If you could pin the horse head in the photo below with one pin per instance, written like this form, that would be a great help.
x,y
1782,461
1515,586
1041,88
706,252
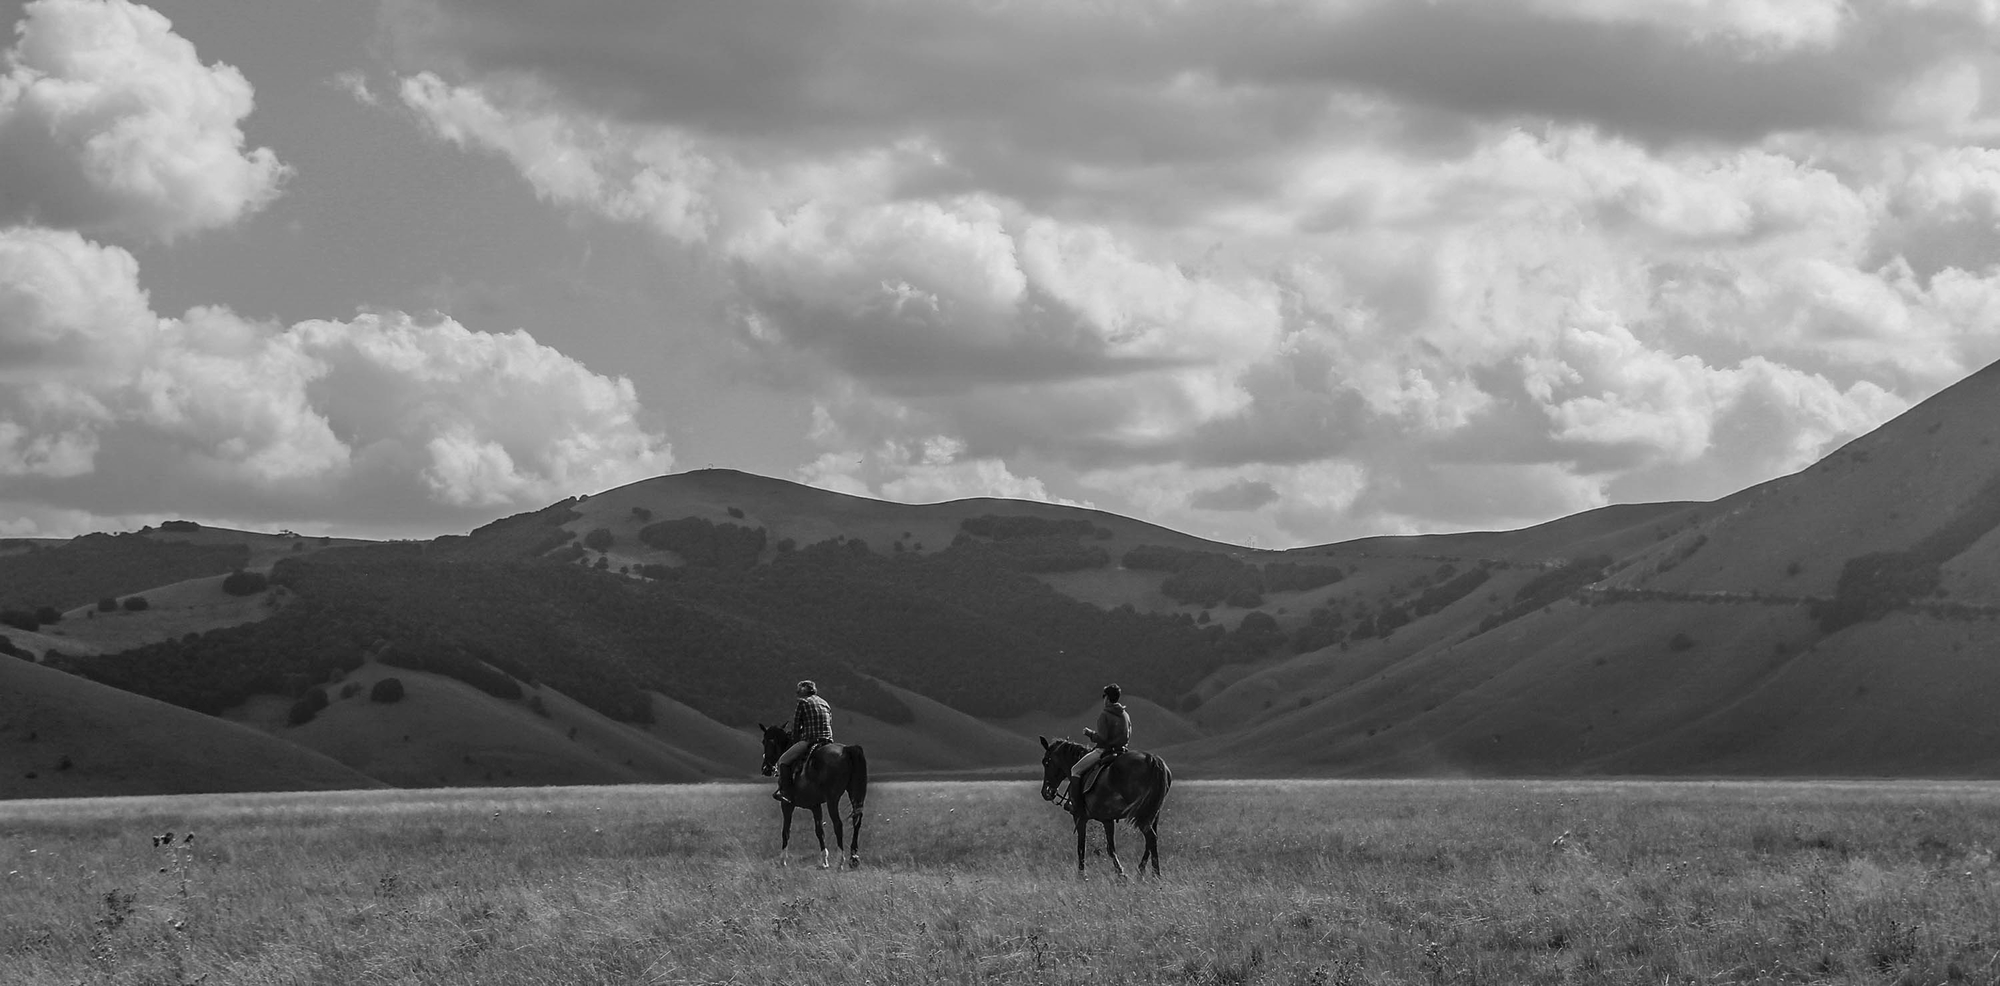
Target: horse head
x,y
777,739
1058,756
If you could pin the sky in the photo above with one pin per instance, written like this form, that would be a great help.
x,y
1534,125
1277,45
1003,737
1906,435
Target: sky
x,y
1270,272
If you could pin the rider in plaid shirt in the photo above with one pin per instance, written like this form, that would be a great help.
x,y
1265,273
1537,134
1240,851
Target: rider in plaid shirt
x,y
812,723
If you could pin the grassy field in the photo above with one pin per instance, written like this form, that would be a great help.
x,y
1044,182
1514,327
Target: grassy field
x,y
1266,882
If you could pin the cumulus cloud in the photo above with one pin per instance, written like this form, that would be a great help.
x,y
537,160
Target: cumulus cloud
x,y
1290,272
110,123
107,407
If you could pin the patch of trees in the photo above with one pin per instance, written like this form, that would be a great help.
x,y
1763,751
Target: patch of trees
x,y
1258,633
705,544
7,647
1322,628
1286,576
302,646
135,604
599,539
179,526
240,583
599,638
453,659
1210,579
1451,590
20,619
85,569
1037,554
523,535
1548,587
1000,527
386,690
1874,585
308,706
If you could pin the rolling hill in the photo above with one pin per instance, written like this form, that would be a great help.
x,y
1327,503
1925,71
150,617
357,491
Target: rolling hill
x,y
1841,620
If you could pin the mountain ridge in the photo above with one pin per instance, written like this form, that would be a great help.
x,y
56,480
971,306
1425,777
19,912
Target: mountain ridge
x,y
1810,624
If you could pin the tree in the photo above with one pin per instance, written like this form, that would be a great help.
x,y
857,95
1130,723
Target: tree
x,y
386,690
242,583
136,603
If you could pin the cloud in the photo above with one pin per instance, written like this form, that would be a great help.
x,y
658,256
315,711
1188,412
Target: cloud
x,y
110,123
109,408
1289,272
1243,494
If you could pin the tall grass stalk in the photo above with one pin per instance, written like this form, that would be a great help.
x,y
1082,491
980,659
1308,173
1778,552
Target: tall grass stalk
x,y
1266,882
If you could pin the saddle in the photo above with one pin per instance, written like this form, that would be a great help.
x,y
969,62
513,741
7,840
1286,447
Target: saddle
x,y
1089,778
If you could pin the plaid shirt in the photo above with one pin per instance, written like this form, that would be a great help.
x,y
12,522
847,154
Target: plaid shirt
x,y
813,720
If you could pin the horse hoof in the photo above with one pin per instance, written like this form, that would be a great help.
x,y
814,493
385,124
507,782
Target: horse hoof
x,y
853,862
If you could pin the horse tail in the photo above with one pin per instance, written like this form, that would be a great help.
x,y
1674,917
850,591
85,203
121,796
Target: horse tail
x,y
857,777
1158,780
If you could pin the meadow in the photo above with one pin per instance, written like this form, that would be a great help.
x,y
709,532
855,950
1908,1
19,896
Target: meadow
x,y
1316,882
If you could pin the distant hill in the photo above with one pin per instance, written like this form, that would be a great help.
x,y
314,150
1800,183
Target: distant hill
x,y
63,736
1841,620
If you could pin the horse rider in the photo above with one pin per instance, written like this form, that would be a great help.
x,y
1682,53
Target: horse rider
x,y
1114,730
812,724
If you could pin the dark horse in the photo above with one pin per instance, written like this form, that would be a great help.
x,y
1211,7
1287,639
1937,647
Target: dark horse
x,y
1131,786
827,773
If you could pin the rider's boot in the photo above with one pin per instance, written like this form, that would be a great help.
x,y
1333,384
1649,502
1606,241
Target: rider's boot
x,y
784,791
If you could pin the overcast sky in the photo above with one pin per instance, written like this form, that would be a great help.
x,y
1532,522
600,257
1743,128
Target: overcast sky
x,y
1275,273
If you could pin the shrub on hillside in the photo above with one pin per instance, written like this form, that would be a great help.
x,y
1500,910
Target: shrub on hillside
x,y
7,647
643,514
1258,633
136,603
599,539
308,706
20,620
48,614
243,583
387,690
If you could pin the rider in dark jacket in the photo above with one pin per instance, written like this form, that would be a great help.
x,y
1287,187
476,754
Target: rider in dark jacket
x,y
1113,732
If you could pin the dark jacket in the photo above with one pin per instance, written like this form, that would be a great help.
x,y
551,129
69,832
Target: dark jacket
x,y
1114,727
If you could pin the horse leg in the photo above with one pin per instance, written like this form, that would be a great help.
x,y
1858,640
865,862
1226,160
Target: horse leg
x,y
1111,846
1152,833
1082,837
785,838
854,836
833,815
819,829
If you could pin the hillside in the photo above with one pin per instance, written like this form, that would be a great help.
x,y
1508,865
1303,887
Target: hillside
x,y
1840,620
62,736
1836,621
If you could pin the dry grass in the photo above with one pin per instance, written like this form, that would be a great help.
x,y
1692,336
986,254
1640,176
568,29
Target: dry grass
x,y
1279,882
